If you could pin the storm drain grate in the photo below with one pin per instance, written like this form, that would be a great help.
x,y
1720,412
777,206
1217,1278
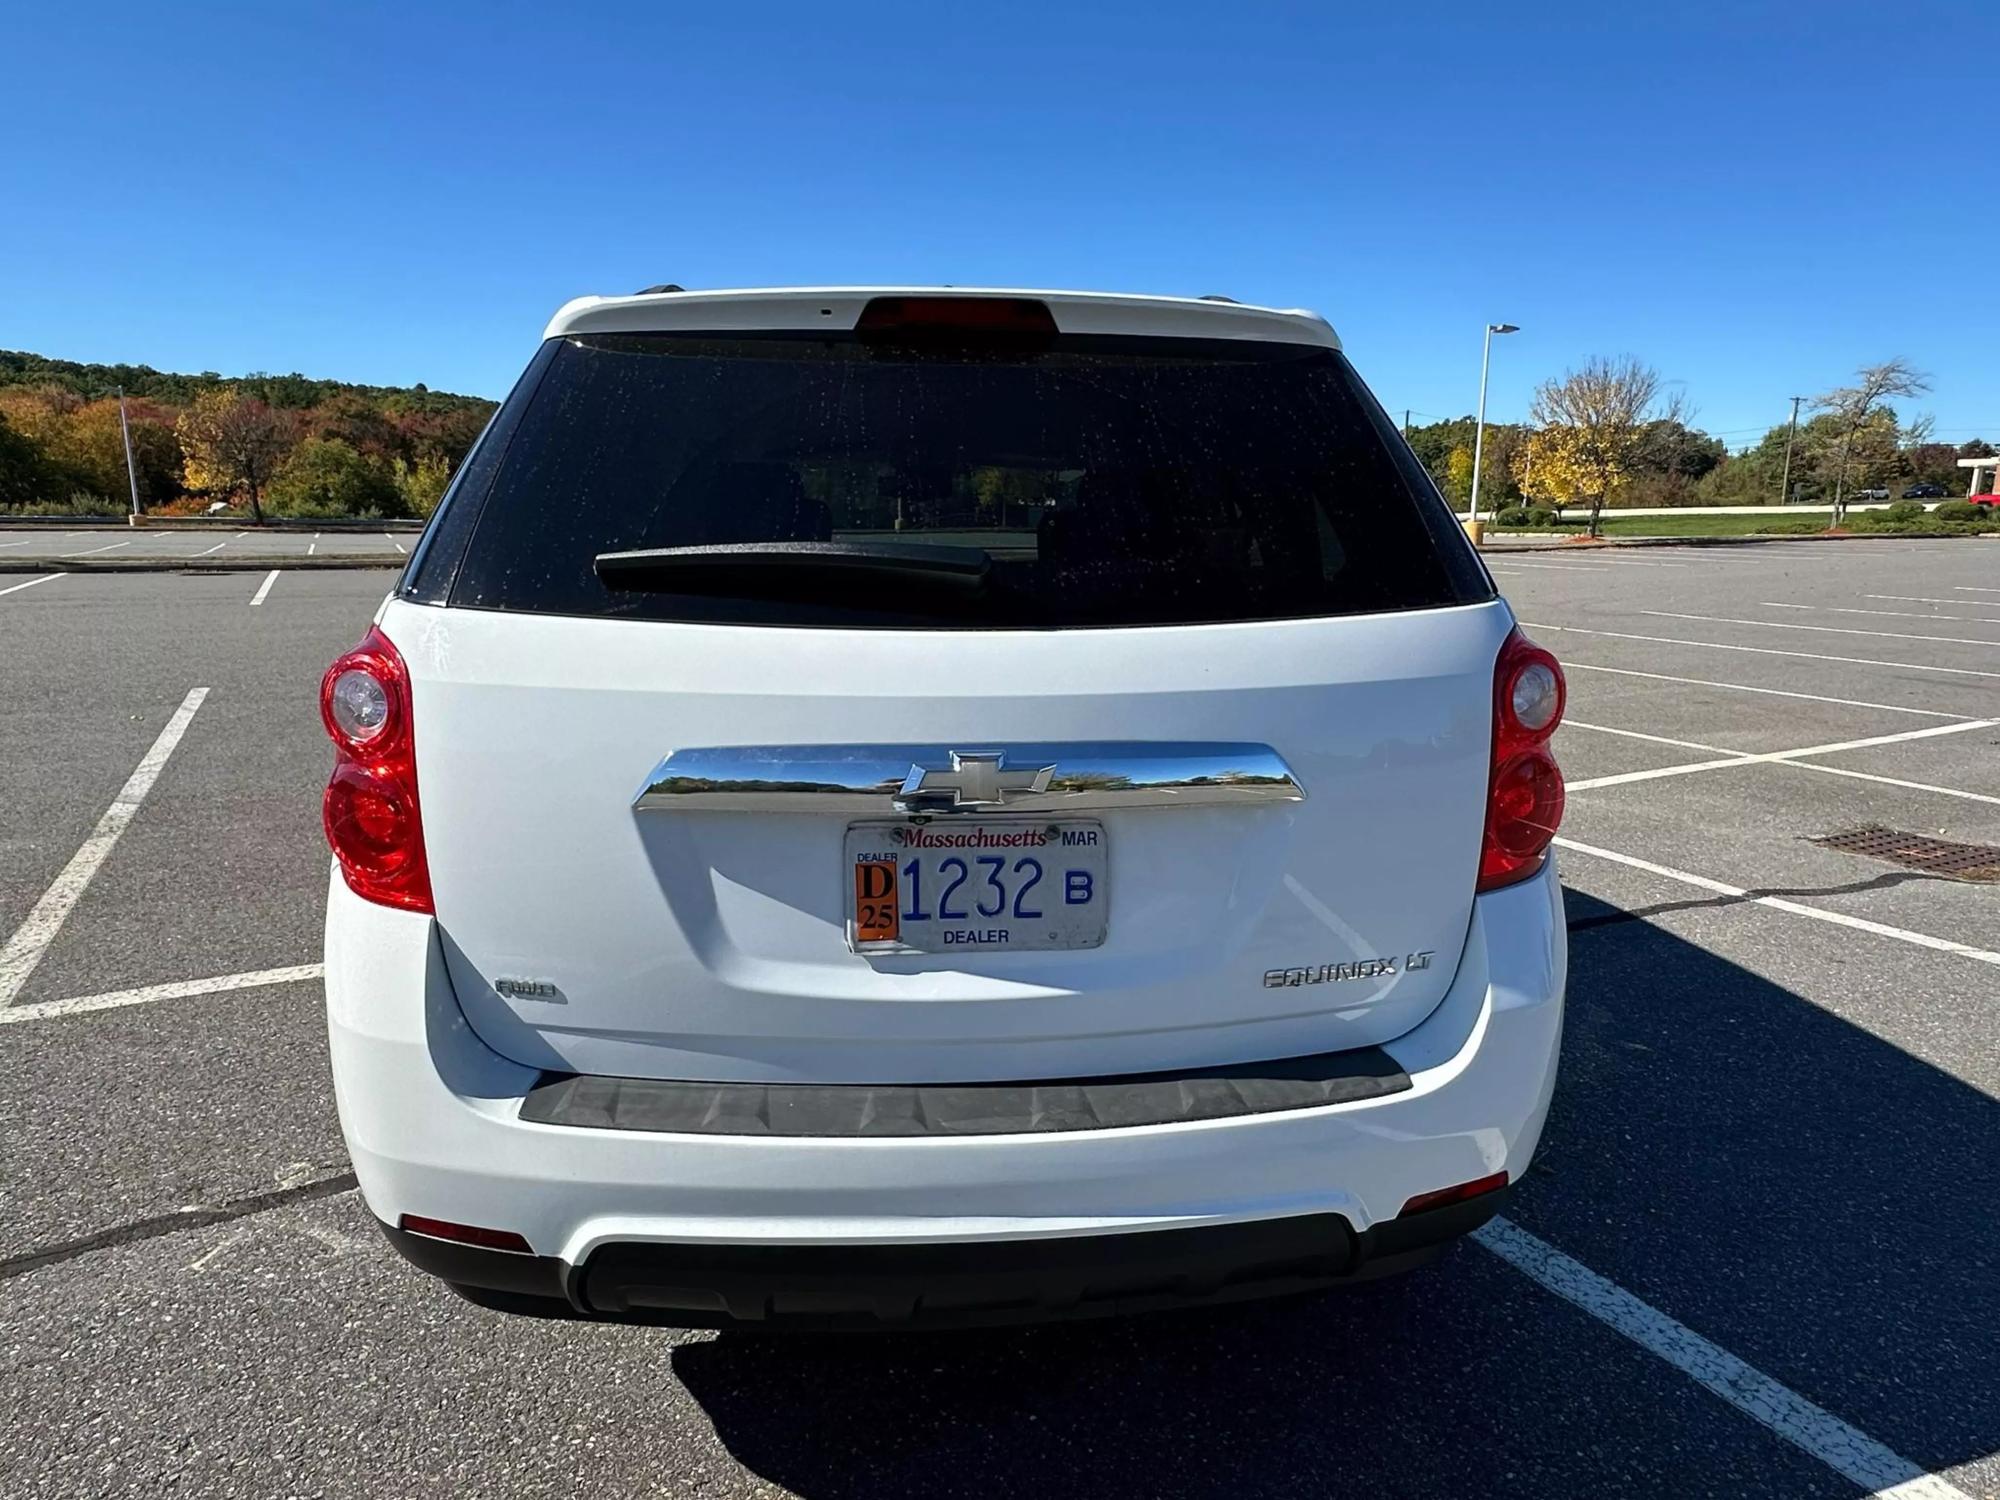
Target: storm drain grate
x,y
1917,852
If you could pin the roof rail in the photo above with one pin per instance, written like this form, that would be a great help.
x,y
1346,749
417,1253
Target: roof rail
x,y
665,286
1218,297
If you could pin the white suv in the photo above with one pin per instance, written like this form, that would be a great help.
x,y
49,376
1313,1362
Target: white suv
x,y
893,806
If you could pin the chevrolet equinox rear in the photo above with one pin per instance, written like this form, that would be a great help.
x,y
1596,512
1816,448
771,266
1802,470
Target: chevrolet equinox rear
x,y
874,807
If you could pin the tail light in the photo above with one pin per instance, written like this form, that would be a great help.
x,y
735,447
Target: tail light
x,y
1524,797
370,807
1464,1192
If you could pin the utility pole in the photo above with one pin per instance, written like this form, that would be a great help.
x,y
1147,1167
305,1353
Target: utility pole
x,y
131,473
1406,424
1785,484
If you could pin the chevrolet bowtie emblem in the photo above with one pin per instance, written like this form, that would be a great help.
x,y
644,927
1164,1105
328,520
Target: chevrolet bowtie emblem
x,y
977,779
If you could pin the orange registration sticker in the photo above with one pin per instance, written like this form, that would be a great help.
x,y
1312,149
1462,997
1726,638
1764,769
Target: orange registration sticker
x,y
878,900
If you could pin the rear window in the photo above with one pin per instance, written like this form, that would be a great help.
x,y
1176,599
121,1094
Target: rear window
x,y
1106,480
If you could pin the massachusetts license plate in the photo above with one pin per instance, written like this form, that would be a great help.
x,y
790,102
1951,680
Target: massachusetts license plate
x,y
951,886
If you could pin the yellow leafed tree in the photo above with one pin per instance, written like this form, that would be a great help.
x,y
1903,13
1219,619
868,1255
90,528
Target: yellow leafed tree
x,y
1590,426
1550,468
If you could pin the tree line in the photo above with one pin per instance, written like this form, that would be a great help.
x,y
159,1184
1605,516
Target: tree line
x,y
281,445
1612,433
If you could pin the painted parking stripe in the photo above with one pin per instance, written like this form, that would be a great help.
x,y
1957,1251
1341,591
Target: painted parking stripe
x,y
1971,588
1669,640
1920,599
394,543
1812,1429
1891,635
1891,614
47,1009
1779,757
31,939
1744,687
1778,903
93,551
1914,786
264,587
216,548
1552,567
17,544
15,588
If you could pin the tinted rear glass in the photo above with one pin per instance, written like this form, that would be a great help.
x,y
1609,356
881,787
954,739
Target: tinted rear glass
x,y
1111,481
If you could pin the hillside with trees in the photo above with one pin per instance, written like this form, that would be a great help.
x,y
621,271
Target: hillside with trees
x,y
279,445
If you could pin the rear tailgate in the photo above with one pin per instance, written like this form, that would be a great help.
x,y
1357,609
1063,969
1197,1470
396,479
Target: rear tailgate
x,y
714,944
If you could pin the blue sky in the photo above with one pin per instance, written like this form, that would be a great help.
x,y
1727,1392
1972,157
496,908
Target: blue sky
x,y
1754,198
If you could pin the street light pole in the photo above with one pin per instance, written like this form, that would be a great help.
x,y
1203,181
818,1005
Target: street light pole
x,y
131,473
1479,426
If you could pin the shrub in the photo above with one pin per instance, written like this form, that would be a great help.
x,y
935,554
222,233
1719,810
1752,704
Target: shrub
x,y
325,478
77,503
1904,510
1793,526
1513,515
1960,511
1543,515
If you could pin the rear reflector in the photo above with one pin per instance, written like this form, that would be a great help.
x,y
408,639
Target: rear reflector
x,y
465,1234
1004,317
1445,1197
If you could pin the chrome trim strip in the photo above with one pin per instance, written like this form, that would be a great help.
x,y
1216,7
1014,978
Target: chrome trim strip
x,y
887,780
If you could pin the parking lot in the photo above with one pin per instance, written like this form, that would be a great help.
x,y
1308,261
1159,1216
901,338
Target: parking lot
x,y
211,546
1755,1256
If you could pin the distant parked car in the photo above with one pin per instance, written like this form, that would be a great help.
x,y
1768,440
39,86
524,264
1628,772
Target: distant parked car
x,y
1861,497
1989,501
1924,492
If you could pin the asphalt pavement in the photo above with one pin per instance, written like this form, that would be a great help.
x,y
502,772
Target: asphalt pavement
x,y
1755,1255
148,547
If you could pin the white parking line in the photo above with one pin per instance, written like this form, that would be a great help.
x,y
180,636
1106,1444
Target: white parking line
x,y
1924,599
1778,757
1778,903
1668,640
1889,635
1553,567
1973,588
45,1009
22,543
31,939
1914,786
396,544
1896,614
264,588
1742,687
1812,1429
92,551
216,548
15,588
312,547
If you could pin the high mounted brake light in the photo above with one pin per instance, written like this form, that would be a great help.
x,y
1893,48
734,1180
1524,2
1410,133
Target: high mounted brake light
x,y
1524,793
947,317
370,809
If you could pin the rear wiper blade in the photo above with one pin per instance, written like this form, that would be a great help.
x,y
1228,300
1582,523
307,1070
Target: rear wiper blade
x,y
734,566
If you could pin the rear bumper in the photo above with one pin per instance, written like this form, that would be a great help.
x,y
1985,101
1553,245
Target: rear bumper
x,y
432,1119
945,1284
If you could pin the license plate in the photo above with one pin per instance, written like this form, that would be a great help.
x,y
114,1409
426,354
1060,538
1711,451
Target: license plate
x,y
963,887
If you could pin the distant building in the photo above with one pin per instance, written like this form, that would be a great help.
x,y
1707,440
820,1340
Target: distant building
x,y
1984,471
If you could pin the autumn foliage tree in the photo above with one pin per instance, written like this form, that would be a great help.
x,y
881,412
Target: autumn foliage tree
x,y
234,442
1591,428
